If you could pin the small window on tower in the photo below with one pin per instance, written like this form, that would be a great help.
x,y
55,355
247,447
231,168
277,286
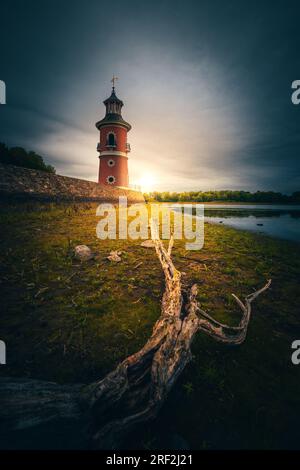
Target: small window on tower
x,y
111,179
111,140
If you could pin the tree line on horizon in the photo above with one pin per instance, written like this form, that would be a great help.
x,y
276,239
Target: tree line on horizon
x,y
18,156
223,196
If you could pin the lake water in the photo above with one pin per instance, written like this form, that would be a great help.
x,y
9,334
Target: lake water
x,y
280,221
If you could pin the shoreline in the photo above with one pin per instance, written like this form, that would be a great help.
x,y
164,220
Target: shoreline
x,y
223,203
253,232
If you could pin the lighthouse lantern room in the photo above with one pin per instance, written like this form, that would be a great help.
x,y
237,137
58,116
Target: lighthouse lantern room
x,y
113,147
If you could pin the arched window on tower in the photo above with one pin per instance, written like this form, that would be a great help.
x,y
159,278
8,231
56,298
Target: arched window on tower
x,y
111,140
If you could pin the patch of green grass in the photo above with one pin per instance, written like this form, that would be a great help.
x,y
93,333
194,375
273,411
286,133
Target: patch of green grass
x,y
68,321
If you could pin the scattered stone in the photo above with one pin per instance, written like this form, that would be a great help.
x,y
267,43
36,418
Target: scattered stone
x,y
83,252
148,244
115,256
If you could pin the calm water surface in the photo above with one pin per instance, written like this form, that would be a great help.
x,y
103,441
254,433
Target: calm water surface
x,y
280,221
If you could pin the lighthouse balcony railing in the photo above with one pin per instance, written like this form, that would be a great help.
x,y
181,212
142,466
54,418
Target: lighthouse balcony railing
x,y
128,149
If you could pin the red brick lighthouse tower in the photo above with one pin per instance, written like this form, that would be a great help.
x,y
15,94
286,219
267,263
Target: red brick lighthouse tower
x,y
113,147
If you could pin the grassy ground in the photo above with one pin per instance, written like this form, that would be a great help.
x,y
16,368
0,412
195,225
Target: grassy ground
x,y
67,321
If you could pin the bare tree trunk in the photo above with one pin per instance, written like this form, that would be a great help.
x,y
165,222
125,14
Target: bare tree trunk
x,y
134,392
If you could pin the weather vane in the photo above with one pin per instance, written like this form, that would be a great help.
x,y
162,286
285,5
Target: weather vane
x,y
113,80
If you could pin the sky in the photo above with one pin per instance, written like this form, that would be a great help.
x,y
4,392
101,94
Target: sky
x,y
206,87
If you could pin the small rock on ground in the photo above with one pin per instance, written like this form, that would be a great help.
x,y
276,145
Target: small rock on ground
x,y
83,252
148,244
115,256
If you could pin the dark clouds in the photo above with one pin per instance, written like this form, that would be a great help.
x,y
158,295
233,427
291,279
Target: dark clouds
x,y
206,86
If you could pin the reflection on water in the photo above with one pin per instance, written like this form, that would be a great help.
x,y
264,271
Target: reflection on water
x,y
279,221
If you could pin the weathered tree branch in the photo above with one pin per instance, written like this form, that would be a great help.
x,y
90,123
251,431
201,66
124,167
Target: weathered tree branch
x,y
134,392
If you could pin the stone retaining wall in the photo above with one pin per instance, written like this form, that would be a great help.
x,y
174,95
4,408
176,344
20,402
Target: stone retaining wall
x,y
23,183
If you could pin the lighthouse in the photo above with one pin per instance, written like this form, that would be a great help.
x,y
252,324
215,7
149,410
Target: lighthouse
x,y
113,147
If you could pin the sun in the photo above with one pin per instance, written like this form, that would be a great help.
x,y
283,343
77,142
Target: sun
x,y
147,182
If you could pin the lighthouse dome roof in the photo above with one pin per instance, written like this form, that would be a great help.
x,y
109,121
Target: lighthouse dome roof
x,y
113,118
113,99
113,112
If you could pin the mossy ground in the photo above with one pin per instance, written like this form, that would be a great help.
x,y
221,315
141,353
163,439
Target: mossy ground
x,y
67,321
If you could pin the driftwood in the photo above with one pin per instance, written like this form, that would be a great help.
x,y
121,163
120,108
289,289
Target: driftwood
x,y
106,410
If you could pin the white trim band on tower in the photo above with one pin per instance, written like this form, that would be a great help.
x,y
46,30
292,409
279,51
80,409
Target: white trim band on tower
x,y
113,153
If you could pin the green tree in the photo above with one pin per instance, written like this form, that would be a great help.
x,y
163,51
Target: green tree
x,y
224,196
18,156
